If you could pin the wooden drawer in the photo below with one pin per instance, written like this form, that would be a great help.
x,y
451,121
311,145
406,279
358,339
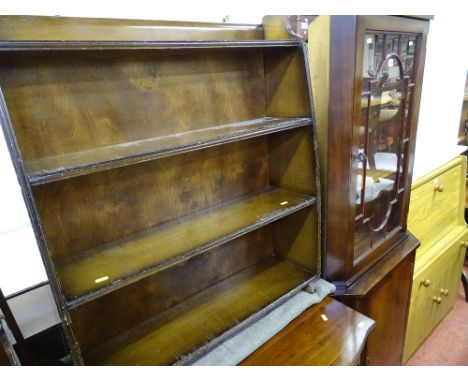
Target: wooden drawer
x,y
433,293
436,204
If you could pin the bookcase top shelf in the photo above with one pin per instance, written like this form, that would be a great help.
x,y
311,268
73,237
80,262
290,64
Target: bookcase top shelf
x,y
101,270
48,169
32,45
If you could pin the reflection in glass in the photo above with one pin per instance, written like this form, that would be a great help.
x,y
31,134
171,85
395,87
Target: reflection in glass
x,y
382,136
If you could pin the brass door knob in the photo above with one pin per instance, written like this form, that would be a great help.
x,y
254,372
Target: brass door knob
x,y
437,299
439,187
444,292
464,244
426,282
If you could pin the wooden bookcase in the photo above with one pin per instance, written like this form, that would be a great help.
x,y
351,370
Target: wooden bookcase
x,y
171,183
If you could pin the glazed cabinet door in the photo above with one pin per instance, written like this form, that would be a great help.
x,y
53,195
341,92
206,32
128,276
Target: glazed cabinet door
x,y
382,136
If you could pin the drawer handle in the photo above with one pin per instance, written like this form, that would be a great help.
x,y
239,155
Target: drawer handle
x,y
439,187
426,282
437,299
464,244
444,292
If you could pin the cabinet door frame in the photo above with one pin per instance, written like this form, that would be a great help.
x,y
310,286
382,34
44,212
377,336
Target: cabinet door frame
x,y
346,35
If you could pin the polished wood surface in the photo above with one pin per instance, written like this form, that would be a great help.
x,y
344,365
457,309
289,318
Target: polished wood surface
x,y
165,338
339,218
388,305
326,334
436,216
74,28
171,180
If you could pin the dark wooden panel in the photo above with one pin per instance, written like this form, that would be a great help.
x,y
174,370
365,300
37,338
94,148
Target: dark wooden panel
x,y
309,340
87,211
66,102
286,84
296,239
77,28
291,161
188,325
340,225
154,294
388,305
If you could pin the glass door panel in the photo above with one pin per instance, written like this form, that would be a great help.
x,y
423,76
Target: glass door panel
x,y
382,137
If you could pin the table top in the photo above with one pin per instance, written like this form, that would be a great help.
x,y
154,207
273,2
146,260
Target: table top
x,y
326,334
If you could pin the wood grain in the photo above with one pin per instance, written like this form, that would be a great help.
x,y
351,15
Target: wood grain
x,y
60,167
433,214
153,294
438,220
207,315
109,98
83,212
74,28
170,243
388,305
138,142
309,340
286,92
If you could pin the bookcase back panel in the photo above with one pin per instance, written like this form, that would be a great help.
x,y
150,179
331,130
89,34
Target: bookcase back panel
x,y
67,102
83,212
79,28
295,239
152,295
291,161
286,93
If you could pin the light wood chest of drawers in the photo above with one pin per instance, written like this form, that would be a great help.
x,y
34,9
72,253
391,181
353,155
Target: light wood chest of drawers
x,y
436,218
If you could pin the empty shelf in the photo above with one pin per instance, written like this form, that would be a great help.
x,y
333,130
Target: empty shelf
x,y
167,337
64,166
102,269
127,44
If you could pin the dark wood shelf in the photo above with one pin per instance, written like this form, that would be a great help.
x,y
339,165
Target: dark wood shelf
x,y
49,169
123,45
100,270
219,310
